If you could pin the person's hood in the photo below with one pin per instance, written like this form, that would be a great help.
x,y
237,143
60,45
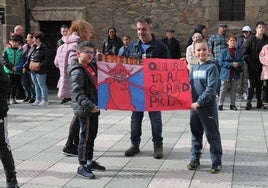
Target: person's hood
x,y
74,37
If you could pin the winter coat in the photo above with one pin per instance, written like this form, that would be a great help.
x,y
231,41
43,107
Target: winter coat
x,y
65,54
264,61
27,50
111,46
42,55
12,57
226,63
4,90
174,47
157,49
251,56
84,91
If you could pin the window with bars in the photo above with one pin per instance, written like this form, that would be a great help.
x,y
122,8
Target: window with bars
x,y
232,10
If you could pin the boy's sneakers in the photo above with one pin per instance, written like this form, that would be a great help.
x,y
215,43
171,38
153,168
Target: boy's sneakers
x,y
43,103
193,165
95,166
12,184
85,173
36,103
216,168
70,151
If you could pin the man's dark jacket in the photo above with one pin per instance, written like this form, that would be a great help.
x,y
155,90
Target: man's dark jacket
x,y
251,53
157,49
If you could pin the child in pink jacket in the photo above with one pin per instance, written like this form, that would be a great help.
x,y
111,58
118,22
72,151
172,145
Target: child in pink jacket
x,y
264,60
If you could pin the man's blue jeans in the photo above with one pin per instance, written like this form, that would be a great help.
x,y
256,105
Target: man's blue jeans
x,y
28,85
156,126
40,86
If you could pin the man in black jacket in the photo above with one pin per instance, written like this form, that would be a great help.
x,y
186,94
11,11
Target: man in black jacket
x,y
173,44
147,46
5,149
251,52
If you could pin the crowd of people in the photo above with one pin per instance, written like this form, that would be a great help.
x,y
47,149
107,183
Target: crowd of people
x,y
220,64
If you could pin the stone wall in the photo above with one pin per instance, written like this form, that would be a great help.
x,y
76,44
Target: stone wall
x,y
180,15
14,15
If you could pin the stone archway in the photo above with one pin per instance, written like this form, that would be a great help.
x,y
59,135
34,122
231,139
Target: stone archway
x,y
55,14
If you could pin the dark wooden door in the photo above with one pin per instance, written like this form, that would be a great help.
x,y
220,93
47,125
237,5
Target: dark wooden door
x,y
51,30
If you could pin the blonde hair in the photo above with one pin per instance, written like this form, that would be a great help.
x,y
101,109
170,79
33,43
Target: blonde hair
x,y
82,27
198,41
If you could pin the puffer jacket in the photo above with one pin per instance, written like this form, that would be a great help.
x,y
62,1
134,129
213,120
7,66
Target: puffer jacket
x,y
42,55
264,61
65,54
84,91
12,57
4,89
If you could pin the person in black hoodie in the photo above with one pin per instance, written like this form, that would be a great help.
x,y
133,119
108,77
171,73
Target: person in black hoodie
x,y
5,149
251,53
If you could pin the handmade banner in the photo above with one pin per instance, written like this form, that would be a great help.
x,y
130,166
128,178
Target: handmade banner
x,y
154,84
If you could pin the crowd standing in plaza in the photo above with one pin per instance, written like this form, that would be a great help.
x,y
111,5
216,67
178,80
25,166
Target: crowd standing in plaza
x,y
239,64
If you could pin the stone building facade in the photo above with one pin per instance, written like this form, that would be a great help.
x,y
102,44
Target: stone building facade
x,y
180,15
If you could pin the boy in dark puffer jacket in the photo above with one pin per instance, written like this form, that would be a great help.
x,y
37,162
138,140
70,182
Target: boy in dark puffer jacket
x,y
83,77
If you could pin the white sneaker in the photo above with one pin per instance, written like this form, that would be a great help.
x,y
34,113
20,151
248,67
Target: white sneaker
x,y
245,96
43,103
36,103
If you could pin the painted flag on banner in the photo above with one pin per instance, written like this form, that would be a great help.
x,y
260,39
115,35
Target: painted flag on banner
x,y
157,84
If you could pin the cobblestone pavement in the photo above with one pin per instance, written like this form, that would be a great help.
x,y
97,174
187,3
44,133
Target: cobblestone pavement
x,y
38,134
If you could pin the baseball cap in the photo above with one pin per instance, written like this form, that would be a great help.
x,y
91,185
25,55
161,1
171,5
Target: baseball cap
x,y
246,28
221,25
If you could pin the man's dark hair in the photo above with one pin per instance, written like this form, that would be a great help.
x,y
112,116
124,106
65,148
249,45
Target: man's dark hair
x,y
260,23
39,35
64,26
144,19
